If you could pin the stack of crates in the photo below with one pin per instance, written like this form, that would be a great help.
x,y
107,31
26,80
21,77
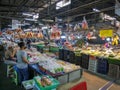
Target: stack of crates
x,y
85,61
102,66
61,54
72,57
113,71
92,64
78,60
66,55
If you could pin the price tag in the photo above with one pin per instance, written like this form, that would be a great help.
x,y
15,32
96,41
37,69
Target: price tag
x,y
106,33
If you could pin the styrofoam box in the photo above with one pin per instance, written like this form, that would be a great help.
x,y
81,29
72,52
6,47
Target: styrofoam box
x,y
63,79
75,75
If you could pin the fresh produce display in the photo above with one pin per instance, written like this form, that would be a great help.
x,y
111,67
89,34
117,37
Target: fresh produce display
x,y
28,84
68,66
51,66
46,82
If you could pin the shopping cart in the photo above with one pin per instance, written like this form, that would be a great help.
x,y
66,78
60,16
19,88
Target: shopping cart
x,y
80,86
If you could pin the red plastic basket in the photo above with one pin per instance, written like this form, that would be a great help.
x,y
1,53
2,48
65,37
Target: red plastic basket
x,y
80,86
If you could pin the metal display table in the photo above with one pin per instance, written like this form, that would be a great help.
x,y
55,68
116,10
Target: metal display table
x,y
61,77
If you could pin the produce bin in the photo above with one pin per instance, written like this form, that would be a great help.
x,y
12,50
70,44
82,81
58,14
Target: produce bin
x,y
40,47
53,49
66,55
113,61
29,84
76,74
85,61
72,57
54,84
61,54
102,66
92,64
63,79
78,60
114,71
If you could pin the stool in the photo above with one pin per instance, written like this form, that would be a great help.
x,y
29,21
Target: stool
x,y
16,76
10,65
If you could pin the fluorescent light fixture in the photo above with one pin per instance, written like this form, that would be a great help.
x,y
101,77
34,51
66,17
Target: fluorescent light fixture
x,y
47,20
63,37
62,3
108,39
28,19
96,10
35,16
27,14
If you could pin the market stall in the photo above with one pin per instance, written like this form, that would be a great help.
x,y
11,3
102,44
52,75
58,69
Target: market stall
x,y
61,70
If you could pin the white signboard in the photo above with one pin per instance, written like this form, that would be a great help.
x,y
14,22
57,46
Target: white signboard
x,y
63,3
15,24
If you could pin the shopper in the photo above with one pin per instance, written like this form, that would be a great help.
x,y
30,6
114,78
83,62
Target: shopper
x,y
2,50
22,62
10,54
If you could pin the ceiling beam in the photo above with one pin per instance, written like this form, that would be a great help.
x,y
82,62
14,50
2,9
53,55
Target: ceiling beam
x,y
6,5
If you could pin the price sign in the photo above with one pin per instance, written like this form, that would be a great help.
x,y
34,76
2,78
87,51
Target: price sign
x,y
106,33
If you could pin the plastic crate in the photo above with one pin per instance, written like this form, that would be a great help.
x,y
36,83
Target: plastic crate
x,y
80,86
78,60
66,55
113,61
29,84
54,84
72,57
102,66
113,71
61,54
92,66
53,49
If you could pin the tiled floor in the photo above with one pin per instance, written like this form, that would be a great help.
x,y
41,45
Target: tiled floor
x,y
94,82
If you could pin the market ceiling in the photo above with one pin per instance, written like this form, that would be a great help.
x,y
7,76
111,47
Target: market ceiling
x,y
10,9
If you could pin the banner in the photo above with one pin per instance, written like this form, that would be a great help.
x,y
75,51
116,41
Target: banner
x,y
84,23
106,33
15,24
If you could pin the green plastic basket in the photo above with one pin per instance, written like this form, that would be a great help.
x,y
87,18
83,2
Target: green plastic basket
x,y
54,84
54,49
77,53
41,46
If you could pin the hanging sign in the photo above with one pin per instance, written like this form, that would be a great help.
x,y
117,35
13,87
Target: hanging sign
x,y
106,33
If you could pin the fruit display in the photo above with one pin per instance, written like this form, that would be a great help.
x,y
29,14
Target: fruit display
x,y
46,82
68,66
51,66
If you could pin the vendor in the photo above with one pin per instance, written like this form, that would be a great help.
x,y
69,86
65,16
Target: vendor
x,y
10,54
22,63
28,43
